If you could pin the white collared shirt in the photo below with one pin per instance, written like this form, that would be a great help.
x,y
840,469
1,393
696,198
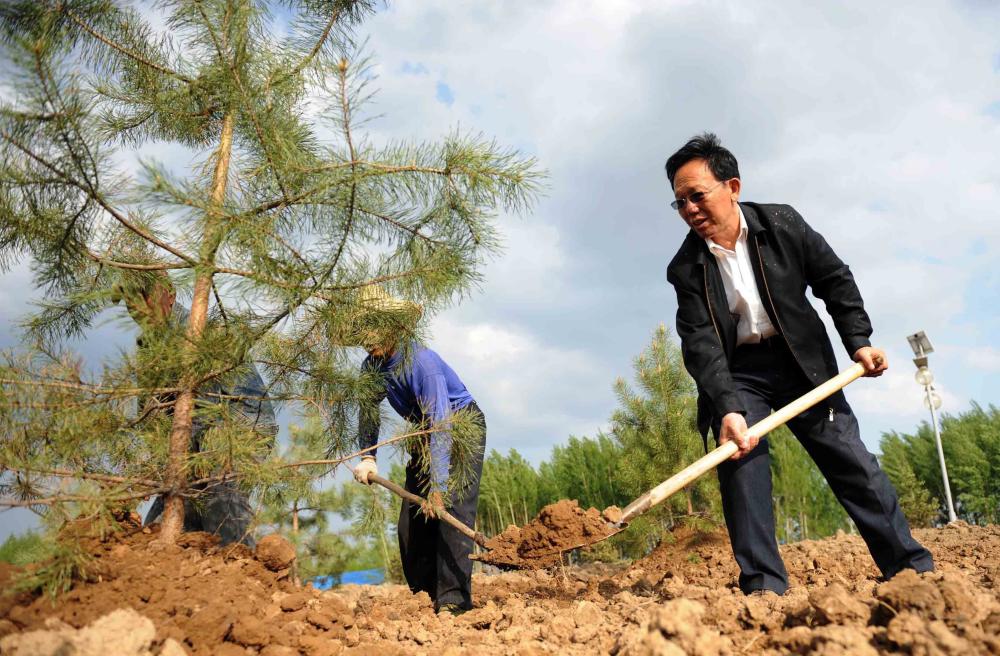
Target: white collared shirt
x,y
741,289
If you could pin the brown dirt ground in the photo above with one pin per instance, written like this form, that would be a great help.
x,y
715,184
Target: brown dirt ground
x,y
681,599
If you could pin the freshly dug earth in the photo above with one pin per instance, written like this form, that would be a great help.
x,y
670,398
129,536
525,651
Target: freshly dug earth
x,y
682,599
559,527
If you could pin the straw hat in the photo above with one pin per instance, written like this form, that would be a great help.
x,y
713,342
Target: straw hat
x,y
379,317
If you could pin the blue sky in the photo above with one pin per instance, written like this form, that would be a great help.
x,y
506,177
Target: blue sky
x,y
877,121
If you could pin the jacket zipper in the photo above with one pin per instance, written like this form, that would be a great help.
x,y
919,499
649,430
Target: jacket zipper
x,y
708,301
767,289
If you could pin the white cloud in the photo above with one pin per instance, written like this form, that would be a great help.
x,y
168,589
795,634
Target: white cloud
x,y
534,394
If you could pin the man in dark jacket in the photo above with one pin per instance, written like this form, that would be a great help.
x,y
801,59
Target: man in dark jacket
x,y
753,343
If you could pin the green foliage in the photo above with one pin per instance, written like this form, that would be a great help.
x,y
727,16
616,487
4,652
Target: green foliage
x,y
971,444
296,507
21,550
288,214
920,508
510,492
804,505
585,469
655,426
59,563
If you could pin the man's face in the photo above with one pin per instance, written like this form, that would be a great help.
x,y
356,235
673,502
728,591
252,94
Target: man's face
x,y
716,213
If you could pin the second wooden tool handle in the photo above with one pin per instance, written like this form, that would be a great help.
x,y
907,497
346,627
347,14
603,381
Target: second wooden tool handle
x,y
719,455
442,514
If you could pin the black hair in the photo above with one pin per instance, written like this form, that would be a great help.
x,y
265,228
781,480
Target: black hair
x,y
705,146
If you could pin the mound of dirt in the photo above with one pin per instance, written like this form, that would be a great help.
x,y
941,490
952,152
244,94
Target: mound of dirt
x,y
682,599
558,527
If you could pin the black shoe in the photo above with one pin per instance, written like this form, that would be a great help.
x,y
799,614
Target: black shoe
x,y
763,592
452,609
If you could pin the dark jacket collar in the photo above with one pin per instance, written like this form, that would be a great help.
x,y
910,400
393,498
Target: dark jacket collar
x,y
754,224
754,227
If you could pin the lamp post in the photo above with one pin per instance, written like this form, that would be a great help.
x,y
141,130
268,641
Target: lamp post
x,y
921,347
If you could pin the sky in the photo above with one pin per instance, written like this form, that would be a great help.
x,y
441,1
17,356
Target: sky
x,y
878,122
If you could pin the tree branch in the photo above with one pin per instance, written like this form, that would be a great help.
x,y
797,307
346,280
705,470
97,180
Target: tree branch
x,y
125,51
96,197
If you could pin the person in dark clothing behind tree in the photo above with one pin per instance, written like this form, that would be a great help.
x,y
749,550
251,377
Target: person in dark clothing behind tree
x,y
752,342
221,509
423,389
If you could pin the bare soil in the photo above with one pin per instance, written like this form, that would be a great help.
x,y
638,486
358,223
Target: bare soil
x,y
682,599
558,527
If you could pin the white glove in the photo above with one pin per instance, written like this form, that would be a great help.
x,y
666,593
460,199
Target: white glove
x,y
364,468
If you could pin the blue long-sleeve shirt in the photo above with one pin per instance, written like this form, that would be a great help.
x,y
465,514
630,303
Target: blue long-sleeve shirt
x,y
424,389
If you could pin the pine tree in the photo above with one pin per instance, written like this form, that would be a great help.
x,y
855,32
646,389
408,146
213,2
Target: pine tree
x,y
655,426
289,214
920,508
297,507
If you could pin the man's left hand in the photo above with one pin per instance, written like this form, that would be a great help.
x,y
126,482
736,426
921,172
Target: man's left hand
x,y
434,503
873,359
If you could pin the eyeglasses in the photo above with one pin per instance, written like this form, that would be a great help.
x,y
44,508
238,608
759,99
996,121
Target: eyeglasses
x,y
695,198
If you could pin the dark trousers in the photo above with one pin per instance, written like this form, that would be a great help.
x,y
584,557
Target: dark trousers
x,y
436,556
221,510
767,377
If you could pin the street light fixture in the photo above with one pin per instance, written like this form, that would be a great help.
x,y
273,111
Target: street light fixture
x,y
921,347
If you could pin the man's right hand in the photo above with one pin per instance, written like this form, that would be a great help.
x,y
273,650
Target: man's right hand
x,y
734,429
364,468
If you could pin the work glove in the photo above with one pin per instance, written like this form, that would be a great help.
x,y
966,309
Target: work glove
x,y
433,504
364,468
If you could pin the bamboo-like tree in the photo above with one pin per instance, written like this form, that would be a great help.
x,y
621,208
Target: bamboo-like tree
x,y
971,443
287,215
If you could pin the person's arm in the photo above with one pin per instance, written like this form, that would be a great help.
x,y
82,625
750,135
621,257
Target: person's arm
x,y
833,283
254,403
369,417
432,395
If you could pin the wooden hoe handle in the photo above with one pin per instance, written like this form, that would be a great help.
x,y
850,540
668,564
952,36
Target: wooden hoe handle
x,y
442,514
719,455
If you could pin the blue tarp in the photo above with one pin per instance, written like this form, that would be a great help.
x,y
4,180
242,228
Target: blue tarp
x,y
359,577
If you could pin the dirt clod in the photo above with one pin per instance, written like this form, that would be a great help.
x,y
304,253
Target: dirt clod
x,y
558,527
275,552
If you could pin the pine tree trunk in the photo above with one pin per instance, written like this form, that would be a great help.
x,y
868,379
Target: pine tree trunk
x,y
180,432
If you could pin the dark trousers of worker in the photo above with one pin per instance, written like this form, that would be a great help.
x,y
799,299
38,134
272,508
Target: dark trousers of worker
x,y
435,555
767,377
222,509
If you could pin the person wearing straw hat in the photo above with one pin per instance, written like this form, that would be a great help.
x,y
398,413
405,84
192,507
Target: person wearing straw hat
x,y
222,509
753,342
423,389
